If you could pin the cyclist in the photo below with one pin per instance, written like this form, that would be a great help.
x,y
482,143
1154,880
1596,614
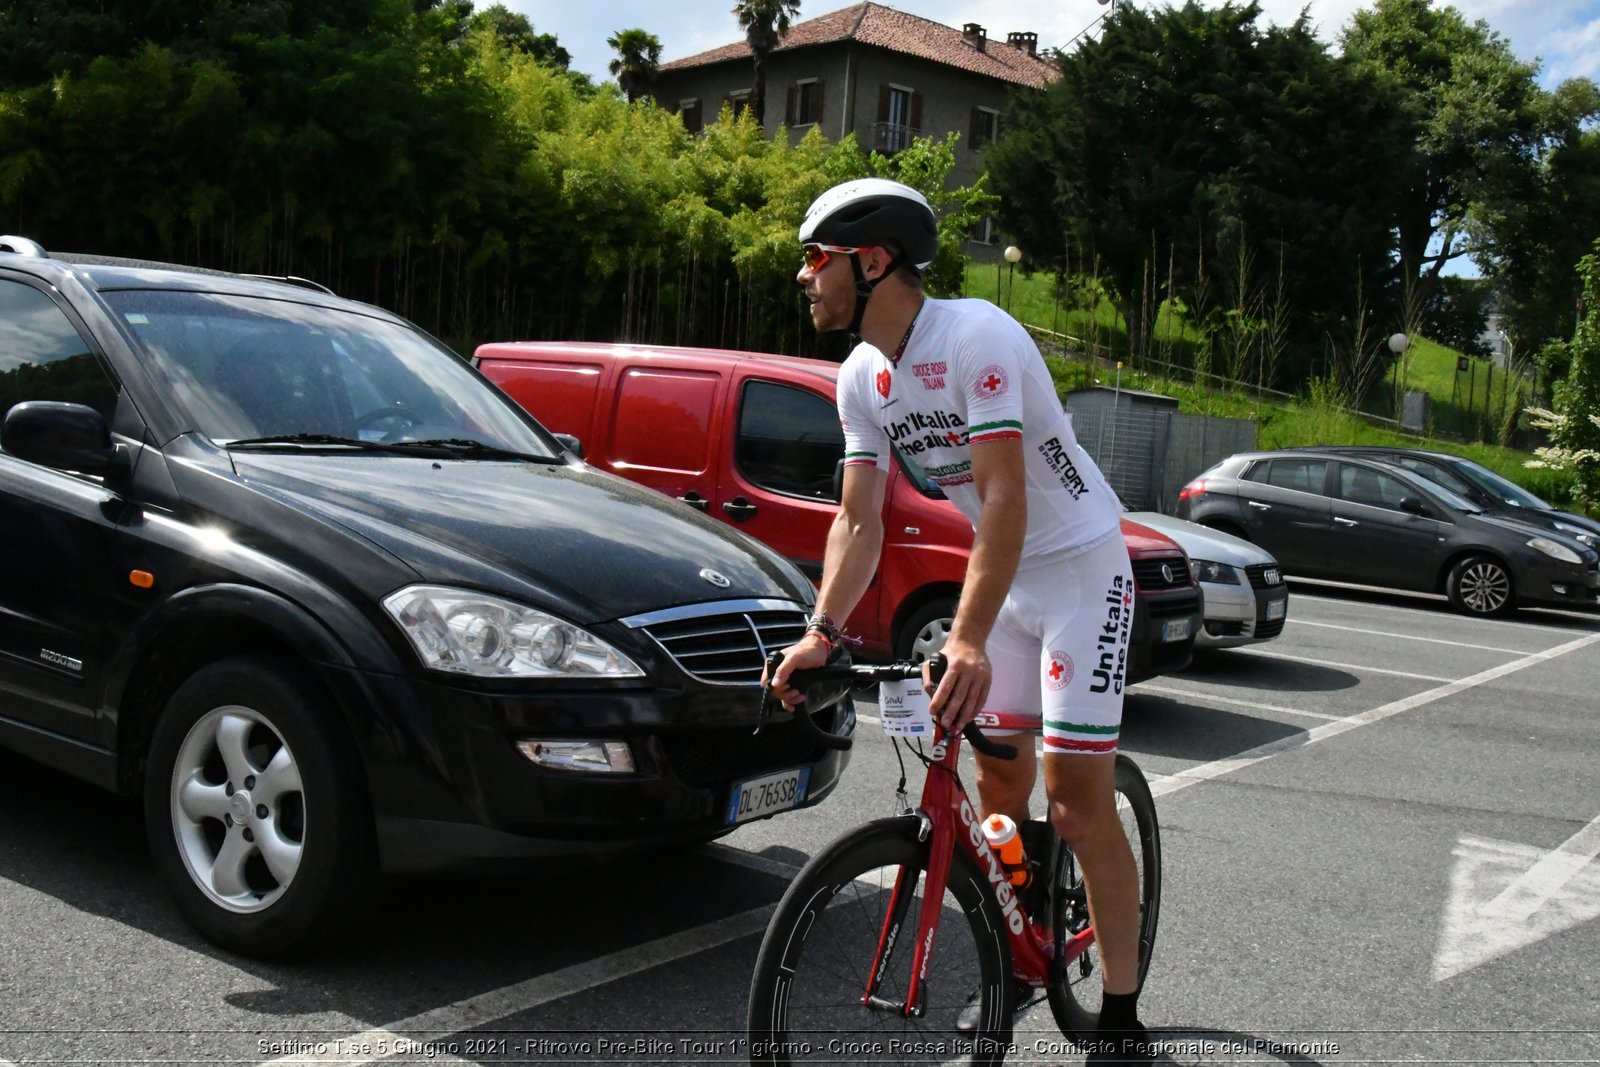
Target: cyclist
x,y
1042,624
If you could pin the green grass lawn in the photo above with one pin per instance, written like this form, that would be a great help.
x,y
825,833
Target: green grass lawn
x,y
1455,425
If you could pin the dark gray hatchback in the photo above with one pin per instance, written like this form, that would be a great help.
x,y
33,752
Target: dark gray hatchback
x,y
334,605
1352,519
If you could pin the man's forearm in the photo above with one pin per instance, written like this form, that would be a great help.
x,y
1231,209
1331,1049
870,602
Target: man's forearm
x,y
848,566
996,550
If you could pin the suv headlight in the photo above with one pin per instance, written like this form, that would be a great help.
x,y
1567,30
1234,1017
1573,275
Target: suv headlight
x,y
463,632
1206,570
1554,550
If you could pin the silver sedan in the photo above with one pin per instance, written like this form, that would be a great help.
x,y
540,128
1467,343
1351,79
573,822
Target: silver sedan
x,y
1246,599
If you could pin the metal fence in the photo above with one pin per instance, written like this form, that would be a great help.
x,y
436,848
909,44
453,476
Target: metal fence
x,y
1146,447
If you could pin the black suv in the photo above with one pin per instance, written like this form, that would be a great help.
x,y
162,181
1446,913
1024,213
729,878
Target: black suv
x,y
335,606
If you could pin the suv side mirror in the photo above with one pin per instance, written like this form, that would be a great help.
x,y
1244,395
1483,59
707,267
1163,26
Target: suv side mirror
x,y
68,437
570,443
1412,505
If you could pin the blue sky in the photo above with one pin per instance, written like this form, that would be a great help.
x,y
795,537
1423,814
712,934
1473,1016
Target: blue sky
x,y
1564,34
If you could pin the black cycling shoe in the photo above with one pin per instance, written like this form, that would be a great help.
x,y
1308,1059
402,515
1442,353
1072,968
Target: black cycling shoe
x,y
1130,1046
967,1018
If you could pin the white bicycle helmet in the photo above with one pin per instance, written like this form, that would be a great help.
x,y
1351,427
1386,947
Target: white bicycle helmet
x,y
867,213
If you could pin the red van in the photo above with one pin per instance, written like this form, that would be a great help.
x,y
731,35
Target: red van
x,y
754,440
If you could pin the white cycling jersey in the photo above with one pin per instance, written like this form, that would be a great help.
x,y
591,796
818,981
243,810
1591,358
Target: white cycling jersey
x,y
970,373
967,373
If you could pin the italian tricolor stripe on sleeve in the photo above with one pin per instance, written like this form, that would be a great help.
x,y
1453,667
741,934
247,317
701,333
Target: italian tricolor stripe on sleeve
x,y
995,431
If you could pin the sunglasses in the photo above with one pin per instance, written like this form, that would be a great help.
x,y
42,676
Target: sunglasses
x,y
817,256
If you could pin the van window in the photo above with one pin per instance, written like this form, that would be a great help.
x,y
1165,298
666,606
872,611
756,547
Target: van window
x,y
789,440
663,419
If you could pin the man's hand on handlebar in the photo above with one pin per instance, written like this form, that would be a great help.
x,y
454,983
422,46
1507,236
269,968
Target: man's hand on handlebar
x,y
809,651
965,687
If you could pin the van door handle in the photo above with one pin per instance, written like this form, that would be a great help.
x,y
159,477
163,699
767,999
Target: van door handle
x,y
695,500
740,508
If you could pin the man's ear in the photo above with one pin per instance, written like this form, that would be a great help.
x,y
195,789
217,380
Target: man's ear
x,y
877,260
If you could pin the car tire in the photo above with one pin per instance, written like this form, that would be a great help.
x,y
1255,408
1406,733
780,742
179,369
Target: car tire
x,y
1480,585
284,858
926,631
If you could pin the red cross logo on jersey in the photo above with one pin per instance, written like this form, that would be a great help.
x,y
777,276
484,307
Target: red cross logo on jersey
x,y
991,382
883,383
953,437
1059,673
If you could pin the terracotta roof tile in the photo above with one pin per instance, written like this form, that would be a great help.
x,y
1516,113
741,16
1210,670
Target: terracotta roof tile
x,y
896,31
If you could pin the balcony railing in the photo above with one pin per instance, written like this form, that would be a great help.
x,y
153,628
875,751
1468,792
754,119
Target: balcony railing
x,y
893,136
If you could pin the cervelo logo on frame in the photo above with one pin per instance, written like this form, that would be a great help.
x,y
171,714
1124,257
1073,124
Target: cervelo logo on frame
x,y
991,382
999,877
1059,674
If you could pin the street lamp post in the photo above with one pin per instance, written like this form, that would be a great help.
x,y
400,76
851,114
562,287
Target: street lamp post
x,y
1398,343
1013,256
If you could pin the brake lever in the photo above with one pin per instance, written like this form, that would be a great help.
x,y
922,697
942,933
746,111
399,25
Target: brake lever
x,y
765,713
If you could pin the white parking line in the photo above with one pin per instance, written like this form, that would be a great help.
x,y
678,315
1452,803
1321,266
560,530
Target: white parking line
x,y
1190,694
1363,667
1407,637
1206,772
409,1037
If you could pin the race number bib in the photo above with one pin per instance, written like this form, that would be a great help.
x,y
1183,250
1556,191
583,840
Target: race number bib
x,y
903,708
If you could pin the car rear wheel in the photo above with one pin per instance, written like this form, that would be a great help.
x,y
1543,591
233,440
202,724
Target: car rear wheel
x,y
926,631
1480,585
257,811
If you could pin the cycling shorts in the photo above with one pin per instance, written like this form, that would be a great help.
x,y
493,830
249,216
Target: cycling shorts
x,y
1059,651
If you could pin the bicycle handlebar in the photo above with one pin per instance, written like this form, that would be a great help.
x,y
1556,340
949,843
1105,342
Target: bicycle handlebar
x,y
845,676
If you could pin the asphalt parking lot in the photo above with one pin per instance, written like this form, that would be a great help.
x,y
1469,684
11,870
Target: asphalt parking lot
x,y
1380,834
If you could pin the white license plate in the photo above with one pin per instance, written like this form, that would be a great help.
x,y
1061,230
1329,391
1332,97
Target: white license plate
x,y
1174,630
768,794
1271,576
1275,609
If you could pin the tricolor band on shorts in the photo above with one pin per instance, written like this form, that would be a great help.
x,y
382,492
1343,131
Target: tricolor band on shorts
x,y
1059,651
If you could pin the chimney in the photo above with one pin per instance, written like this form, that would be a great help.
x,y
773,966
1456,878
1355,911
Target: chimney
x,y
1028,42
974,35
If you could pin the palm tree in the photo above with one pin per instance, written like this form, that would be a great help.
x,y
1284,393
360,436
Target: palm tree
x,y
638,57
764,22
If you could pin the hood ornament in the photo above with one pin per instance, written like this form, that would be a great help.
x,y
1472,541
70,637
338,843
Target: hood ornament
x,y
718,580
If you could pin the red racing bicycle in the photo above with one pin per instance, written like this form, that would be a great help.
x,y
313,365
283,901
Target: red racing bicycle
x,y
886,933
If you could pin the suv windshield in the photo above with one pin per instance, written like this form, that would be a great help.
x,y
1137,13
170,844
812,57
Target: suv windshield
x,y
248,368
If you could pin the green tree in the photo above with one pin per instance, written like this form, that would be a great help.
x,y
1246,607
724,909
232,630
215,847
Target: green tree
x,y
638,59
764,23
1183,135
1481,124
1456,313
514,31
1574,420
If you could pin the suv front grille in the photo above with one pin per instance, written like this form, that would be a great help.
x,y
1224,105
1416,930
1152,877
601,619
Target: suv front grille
x,y
724,643
1147,573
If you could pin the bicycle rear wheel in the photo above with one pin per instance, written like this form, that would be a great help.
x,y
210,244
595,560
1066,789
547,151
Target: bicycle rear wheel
x,y
1075,999
807,997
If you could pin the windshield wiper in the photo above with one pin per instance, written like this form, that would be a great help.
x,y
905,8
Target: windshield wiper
x,y
466,446
315,440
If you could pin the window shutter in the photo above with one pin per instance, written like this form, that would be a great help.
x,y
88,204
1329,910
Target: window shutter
x,y
975,130
788,111
816,103
883,102
916,113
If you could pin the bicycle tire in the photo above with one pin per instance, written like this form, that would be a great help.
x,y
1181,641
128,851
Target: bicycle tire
x,y
811,973
1075,997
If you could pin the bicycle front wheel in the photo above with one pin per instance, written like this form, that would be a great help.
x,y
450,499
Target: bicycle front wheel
x,y
1075,999
809,997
